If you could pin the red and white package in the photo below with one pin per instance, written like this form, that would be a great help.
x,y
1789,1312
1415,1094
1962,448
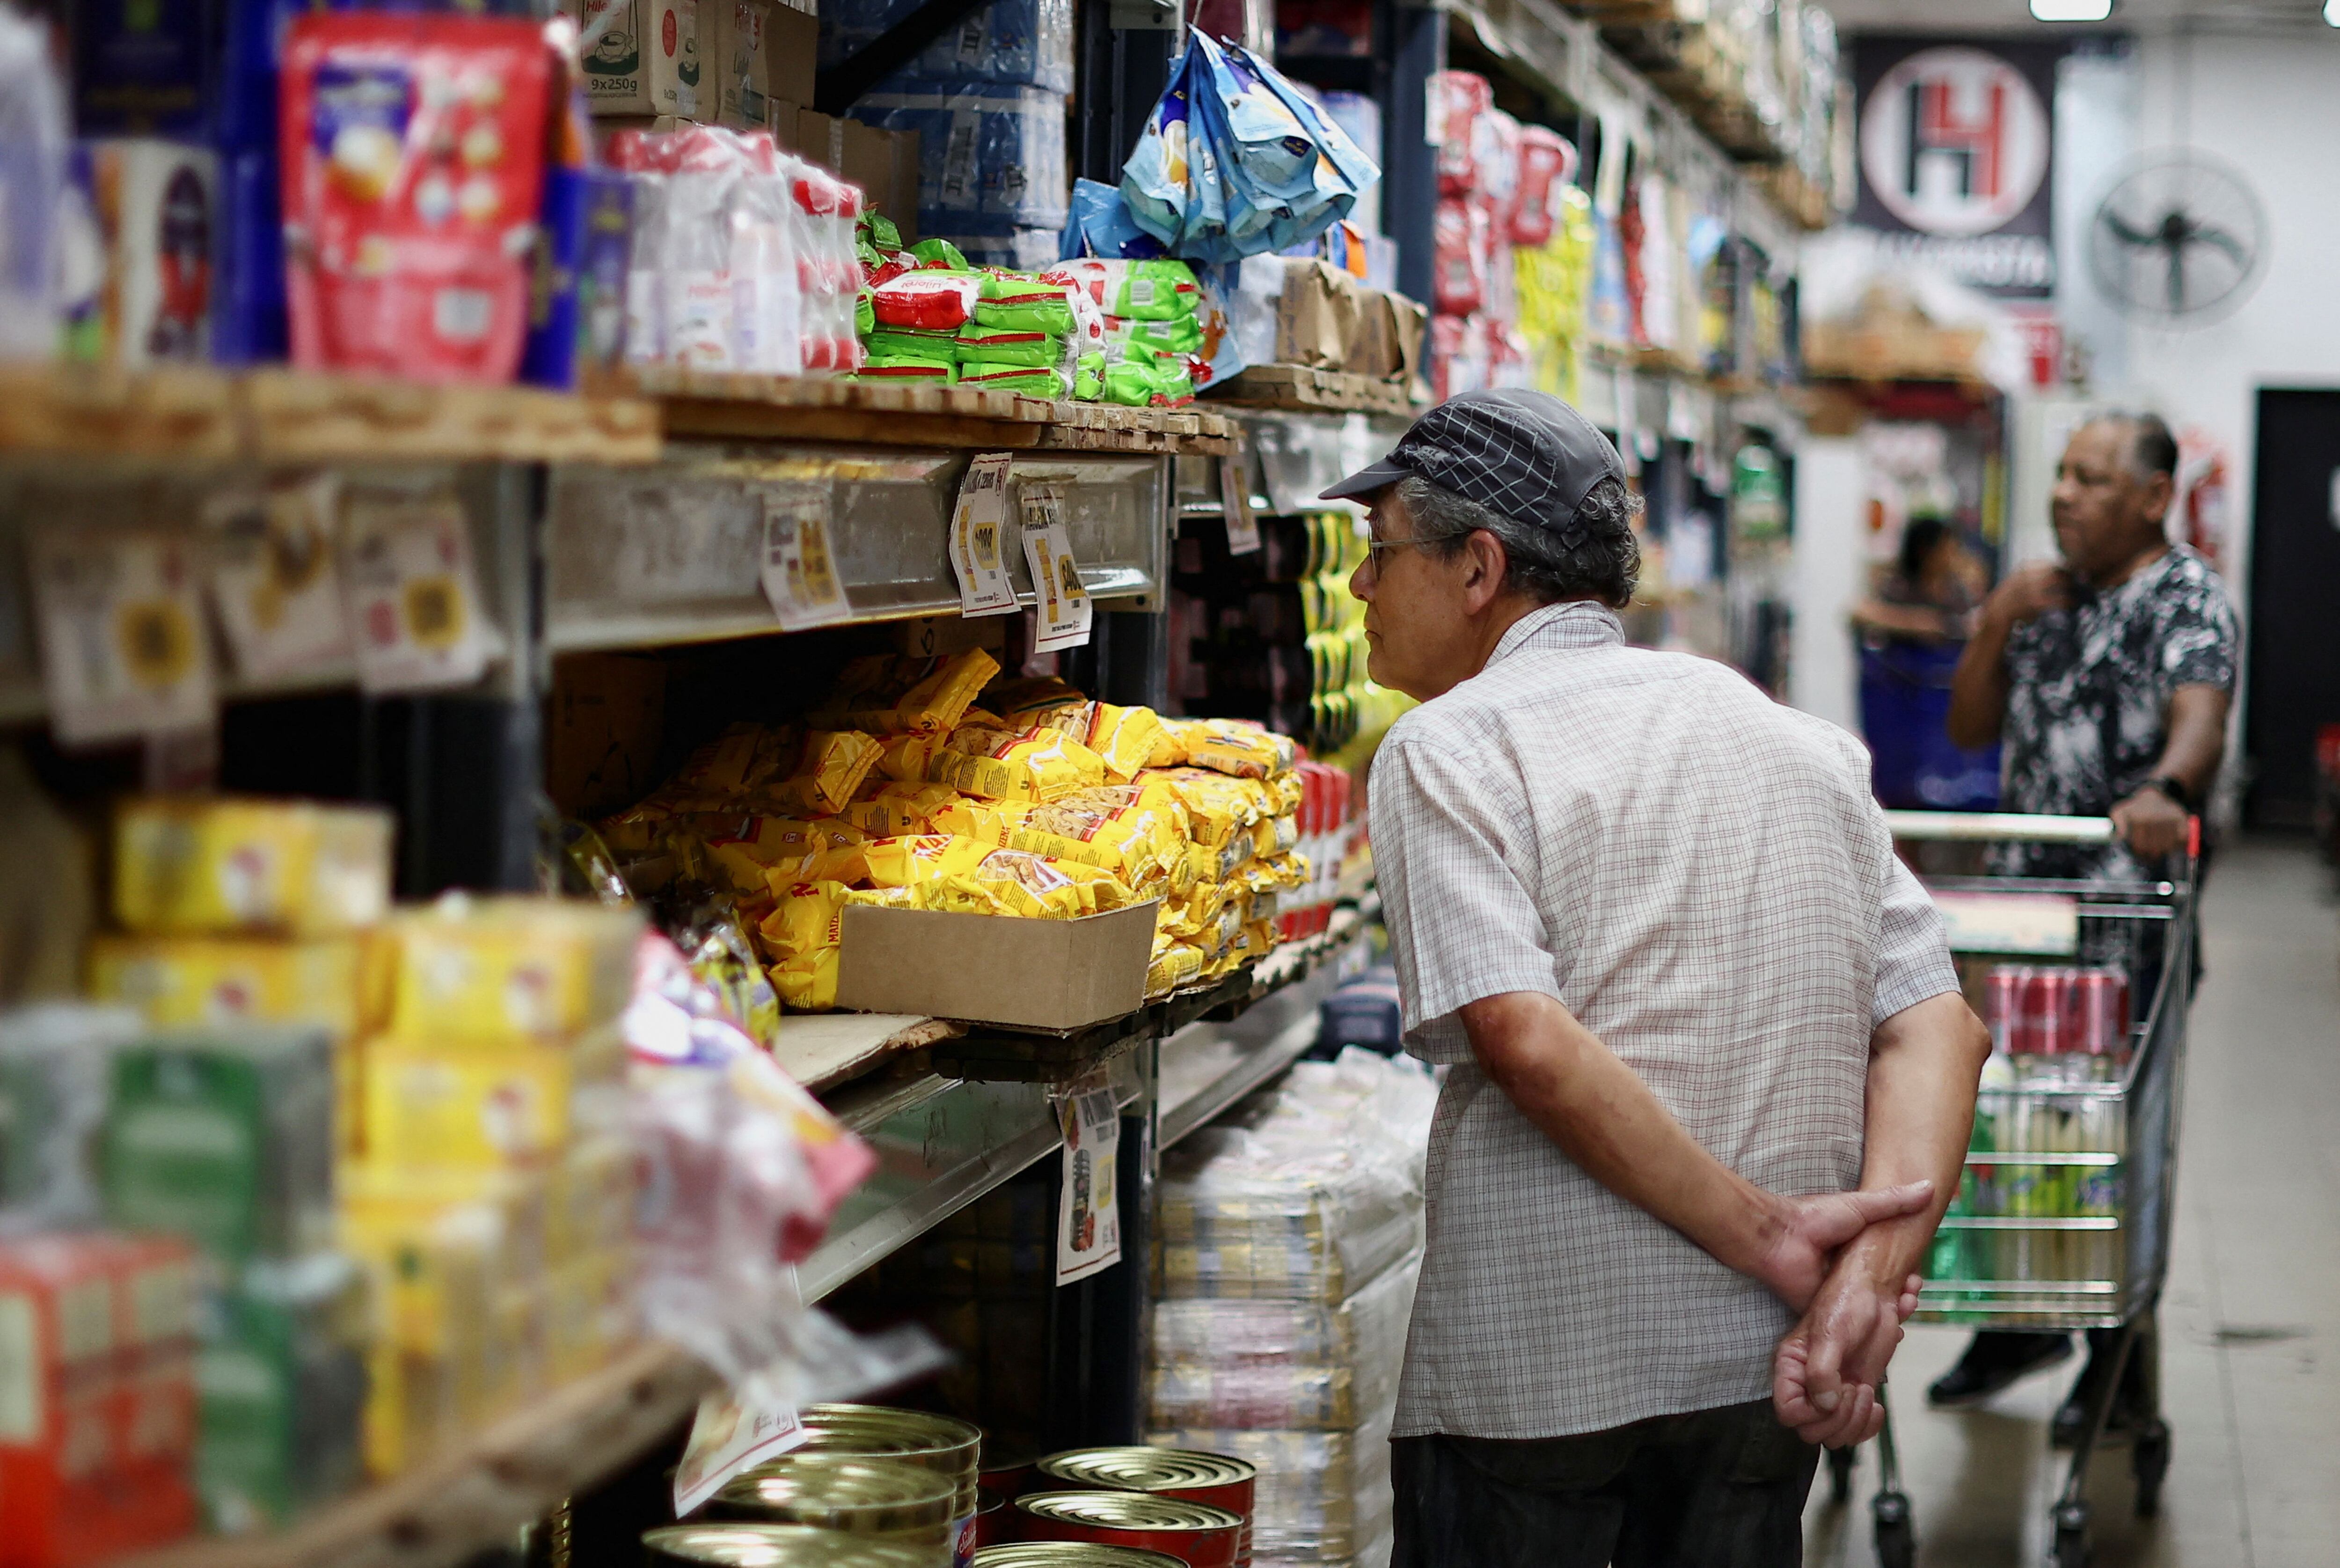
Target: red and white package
x,y
1459,98
926,299
1547,164
1458,261
1495,155
413,168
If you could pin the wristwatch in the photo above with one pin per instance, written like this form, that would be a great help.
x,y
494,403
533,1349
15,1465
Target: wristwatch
x,y
2171,787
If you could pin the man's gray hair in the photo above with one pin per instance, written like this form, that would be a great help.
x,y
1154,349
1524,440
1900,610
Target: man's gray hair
x,y
2152,450
1591,555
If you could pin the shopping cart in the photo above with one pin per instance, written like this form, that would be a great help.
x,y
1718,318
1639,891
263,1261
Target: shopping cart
x,y
2062,1218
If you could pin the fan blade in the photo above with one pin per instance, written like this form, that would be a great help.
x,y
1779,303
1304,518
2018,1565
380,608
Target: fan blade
x,y
2124,234
2176,280
2220,240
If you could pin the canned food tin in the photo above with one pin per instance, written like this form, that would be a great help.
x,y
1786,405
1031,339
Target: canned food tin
x,y
942,1444
1218,1479
781,1546
1071,1555
839,1491
1196,1533
990,1518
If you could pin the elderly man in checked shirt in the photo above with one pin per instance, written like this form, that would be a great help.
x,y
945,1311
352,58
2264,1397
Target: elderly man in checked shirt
x,y
1711,1078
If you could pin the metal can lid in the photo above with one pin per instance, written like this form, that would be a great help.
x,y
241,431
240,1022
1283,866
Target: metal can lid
x,y
1147,1469
1072,1554
1128,1510
941,1442
840,1491
782,1546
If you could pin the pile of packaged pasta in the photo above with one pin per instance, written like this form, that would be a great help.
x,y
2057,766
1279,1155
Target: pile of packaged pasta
x,y
937,784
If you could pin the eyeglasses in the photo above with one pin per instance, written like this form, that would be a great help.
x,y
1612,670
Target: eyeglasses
x,y
1374,549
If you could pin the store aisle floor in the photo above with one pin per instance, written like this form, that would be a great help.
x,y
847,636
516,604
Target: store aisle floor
x,y
2251,1318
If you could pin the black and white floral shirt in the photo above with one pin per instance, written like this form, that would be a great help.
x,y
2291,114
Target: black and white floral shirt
x,y
2087,706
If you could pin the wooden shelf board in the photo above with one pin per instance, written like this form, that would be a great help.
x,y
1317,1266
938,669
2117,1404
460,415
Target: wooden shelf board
x,y
1300,387
821,1050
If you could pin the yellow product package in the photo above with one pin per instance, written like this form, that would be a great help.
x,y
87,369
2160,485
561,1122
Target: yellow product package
x,y
823,775
471,967
1175,964
804,919
1018,696
1125,738
1125,840
721,770
182,980
926,858
1274,835
893,807
988,822
1281,872
758,848
1037,764
892,696
806,978
1285,791
1218,807
1100,890
1229,746
229,866
1208,863
485,1103
1025,884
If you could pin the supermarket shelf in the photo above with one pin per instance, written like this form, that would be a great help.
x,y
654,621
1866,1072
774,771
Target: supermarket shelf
x,y
1208,1066
479,1494
203,417
705,404
822,1050
1329,391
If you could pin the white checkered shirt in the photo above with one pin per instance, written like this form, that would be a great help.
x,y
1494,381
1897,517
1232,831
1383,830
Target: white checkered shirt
x,y
1700,877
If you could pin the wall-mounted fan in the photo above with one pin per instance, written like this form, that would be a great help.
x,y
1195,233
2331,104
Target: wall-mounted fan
x,y
2179,239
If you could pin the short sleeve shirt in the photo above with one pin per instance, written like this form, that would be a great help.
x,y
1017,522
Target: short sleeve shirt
x,y
1700,877
2087,704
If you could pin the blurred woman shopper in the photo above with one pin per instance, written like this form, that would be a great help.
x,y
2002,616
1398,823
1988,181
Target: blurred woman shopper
x,y
1930,593
1711,1076
2108,679
1912,628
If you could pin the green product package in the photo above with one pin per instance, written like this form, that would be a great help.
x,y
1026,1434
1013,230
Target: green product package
x,y
1088,377
879,230
941,253
1002,346
912,343
1130,381
224,1138
1183,336
865,313
907,368
281,1390
1033,381
1024,304
1154,290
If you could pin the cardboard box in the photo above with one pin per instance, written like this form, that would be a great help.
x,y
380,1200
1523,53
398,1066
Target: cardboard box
x,y
996,968
1388,344
643,59
757,52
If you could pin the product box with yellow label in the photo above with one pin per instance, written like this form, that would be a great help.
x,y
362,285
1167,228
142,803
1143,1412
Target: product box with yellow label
x,y
476,968
231,867
188,980
484,1104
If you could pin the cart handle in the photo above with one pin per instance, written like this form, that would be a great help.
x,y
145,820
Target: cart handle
x,y
1999,825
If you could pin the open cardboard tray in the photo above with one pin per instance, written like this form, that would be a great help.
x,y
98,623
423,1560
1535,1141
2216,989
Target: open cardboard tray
x,y
1055,976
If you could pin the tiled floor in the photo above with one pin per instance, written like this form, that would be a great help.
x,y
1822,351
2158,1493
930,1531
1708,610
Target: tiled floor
x,y
2251,1305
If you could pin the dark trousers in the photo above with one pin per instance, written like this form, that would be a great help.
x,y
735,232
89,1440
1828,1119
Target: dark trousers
x,y
1713,1489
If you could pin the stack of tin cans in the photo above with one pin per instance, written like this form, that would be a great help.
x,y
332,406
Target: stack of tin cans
x,y
781,1546
1102,1495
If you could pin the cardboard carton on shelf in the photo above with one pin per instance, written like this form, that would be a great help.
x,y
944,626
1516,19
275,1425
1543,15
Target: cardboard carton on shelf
x,y
758,52
996,968
639,56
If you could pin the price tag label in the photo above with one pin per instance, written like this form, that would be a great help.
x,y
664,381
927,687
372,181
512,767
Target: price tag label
x,y
1234,498
1088,1213
123,647
276,577
978,537
798,568
1066,608
413,596
727,1436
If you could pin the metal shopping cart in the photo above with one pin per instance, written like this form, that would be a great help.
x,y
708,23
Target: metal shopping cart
x,y
2062,1220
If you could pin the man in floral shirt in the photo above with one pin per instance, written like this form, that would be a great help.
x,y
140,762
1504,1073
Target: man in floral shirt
x,y
2108,679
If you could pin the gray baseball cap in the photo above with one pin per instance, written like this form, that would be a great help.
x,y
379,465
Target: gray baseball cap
x,y
1525,454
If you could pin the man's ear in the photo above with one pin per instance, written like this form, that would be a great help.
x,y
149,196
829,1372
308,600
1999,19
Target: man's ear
x,y
1489,564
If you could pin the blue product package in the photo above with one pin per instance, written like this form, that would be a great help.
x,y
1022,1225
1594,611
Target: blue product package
x,y
983,150
1015,43
987,245
248,319
577,298
144,68
1101,226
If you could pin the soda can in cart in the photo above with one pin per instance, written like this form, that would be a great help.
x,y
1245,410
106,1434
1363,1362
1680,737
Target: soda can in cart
x,y
2044,1028
2100,1016
1196,1533
1220,1480
2002,1005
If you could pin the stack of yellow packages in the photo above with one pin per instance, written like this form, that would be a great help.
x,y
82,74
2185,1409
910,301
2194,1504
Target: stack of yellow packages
x,y
932,783
490,1193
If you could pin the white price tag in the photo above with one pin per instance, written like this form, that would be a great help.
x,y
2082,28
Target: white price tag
x,y
414,598
1088,1216
727,1436
1235,498
1064,608
798,566
276,578
122,647
978,537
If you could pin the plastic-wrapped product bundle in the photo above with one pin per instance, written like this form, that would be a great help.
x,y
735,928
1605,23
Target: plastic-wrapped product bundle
x,y
1020,42
986,150
1298,1365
